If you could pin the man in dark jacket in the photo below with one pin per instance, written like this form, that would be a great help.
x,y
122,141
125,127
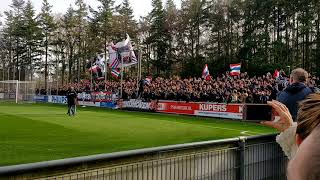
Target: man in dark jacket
x,y
295,92
72,100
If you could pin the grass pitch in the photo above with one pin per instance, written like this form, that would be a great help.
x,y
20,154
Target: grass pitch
x,y
41,132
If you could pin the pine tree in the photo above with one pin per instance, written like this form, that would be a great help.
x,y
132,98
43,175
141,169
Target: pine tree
x,y
47,26
128,24
71,38
33,38
81,14
158,36
104,16
17,35
171,28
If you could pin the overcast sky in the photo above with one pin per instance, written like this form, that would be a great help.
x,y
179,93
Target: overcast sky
x,y
140,7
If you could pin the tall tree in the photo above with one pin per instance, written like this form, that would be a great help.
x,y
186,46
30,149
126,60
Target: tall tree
x,y
33,39
81,23
17,34
126,19
171,27
71,38
104,17
48,26
158,36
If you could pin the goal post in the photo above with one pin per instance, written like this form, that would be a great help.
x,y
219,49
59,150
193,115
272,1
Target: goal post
x,y
17,91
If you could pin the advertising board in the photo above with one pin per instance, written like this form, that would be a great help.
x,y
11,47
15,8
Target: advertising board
x,y
230,111
137,104
40,98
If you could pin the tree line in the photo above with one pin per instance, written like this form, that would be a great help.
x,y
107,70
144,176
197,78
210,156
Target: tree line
x,y
262,35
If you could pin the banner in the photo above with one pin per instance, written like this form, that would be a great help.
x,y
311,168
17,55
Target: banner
x,y
1,95
111,105
57,99
39,98
173,107
137,104
97,97
89,103
229,111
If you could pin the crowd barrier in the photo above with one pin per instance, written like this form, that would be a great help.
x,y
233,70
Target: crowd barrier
x,y
201,109
252,158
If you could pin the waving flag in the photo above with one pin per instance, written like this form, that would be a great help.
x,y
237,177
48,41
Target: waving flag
x,y
115,72
235,69
206,73
148,79
127,53
276,74
113,56
114,60
122,51
97,67
100,62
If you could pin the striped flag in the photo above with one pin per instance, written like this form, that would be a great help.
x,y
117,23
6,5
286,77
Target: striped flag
x,y
115,72
235,69
206,73
114,61
126,52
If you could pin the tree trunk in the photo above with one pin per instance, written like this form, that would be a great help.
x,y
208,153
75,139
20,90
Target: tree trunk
x,y
46,65
70,77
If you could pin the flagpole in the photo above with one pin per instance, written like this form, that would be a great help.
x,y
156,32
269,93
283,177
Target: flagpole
x,y
140,64
91,77
105,71
121,78
138,71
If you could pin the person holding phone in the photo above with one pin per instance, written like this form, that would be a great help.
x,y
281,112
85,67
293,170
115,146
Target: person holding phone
x,y
294,133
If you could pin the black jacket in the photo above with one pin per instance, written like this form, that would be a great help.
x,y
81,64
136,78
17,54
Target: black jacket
x,y
292,95
71,96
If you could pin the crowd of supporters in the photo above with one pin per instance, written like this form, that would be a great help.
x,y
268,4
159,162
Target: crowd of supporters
x,y
223,89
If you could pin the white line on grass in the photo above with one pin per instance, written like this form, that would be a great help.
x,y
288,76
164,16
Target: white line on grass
x,y
230,129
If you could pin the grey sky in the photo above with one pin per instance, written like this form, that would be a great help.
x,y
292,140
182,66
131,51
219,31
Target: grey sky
x,y
140,7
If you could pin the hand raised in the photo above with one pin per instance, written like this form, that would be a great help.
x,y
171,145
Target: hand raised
x,y
285,121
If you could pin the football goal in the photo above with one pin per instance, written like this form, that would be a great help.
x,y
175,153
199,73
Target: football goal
x,y
17,91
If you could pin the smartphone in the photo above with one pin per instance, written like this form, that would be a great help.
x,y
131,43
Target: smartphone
x,y
261,112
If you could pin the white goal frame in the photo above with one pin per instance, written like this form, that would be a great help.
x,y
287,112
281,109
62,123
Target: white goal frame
x,y
15,87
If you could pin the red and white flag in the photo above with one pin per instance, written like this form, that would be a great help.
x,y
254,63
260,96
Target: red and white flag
x,y
115,72
235,69
276,74
206,73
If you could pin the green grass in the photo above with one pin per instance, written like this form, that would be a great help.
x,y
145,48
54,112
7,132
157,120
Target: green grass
x,y
41,132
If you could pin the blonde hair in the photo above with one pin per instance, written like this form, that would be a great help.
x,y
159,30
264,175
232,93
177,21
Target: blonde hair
x,y
300,75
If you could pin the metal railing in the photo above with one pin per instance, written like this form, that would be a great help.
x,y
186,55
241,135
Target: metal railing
x,y
251,158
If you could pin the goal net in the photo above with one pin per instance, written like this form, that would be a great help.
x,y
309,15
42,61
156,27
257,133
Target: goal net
x,y
17,91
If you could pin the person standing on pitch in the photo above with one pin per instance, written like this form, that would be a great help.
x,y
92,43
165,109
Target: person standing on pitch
x,y
72,99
